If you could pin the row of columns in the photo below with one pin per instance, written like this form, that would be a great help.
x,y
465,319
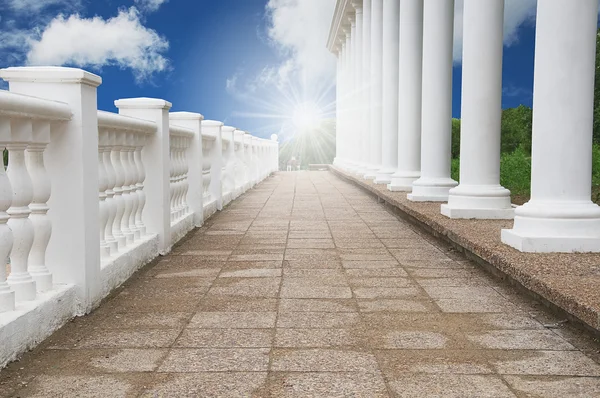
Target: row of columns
x,y
395,108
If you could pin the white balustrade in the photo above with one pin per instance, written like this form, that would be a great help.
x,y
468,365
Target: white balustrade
x,y
121,176
125,188
239,168
180,140
25,228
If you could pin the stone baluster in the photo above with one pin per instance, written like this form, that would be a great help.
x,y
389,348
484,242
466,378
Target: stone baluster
x,y
42,226
118,189
206,172
20,279
126,187
186,169
7,296
103,187
108,139
178,177
139,220
132,139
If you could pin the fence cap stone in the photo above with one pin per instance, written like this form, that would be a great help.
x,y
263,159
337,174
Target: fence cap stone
x,y
186,116
143,103
212,123
50,74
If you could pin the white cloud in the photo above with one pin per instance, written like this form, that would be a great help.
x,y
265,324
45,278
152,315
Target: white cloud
x,y
36,6
516,12
121,41
299,28
149,5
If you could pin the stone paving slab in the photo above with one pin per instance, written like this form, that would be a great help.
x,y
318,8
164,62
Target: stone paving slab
x,y
307,287
570,282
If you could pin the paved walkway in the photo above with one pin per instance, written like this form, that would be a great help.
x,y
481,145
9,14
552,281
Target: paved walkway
x,y
306,286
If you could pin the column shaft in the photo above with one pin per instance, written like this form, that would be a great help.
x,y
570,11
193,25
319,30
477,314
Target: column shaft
x,y
479,194
365,142
357,77
436,120
390,61
560,217
375,89
410,83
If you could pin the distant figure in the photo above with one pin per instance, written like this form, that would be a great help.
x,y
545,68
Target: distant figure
x,y
292,164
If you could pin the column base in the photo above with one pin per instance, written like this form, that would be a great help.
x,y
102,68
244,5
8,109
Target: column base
x,y
559,227
431,189
384,176
371,173
403,181
486,202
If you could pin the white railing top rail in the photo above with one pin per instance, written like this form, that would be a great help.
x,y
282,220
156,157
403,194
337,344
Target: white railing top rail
x,y
179,131
24,106
114,121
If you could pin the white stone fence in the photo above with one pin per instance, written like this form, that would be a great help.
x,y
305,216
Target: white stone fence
x,y
89,196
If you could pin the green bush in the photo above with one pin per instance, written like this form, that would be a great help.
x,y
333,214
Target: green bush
x,y
515,171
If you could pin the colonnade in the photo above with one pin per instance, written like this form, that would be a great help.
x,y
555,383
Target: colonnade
x,y
395,107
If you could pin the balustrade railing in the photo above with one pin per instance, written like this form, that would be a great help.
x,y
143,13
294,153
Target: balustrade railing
x,y
181,139
122,174
25,229
126,187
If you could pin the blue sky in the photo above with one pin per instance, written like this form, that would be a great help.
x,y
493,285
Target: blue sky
x,y
245,62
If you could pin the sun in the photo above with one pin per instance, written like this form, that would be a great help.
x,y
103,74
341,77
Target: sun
x,y
307,116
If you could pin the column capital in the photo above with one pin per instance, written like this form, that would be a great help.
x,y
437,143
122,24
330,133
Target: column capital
x,y
358,6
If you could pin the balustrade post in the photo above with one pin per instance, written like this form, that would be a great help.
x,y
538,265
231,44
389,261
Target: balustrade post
x,y
156,158
212,130
73,253
7,296
193,121
42,226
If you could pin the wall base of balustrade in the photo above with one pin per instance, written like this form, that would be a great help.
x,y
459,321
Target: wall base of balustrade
x,y
555,227
181,227
431,189
34,321
119,268
227,198
485,202
239,191
210,208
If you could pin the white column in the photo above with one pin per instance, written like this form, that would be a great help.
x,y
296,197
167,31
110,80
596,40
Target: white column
x,y
365,92
356,117
339,131
560,217
375,91
157,212
349,88
410,86
436,125
390,59
479,194
74,201
193,121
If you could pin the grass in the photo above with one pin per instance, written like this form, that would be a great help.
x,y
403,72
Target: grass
x,y
515,174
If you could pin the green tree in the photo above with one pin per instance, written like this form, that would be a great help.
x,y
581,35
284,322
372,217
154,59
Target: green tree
x,y
597,93
455,138
516,129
